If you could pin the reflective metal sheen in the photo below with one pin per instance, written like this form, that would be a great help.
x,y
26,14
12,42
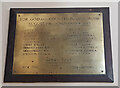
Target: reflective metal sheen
x,y
59,43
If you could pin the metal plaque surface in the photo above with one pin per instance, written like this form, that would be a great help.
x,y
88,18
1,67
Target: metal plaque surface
x,y
59,43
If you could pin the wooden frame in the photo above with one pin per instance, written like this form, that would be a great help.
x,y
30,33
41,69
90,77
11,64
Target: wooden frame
x,y
9,77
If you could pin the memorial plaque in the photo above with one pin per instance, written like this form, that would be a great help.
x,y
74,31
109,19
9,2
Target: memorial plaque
x,y
59,45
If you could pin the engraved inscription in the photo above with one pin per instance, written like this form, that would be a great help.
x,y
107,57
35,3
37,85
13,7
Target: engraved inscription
x,y
59,43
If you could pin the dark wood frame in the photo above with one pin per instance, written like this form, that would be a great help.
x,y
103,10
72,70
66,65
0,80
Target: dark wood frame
x,y
9,77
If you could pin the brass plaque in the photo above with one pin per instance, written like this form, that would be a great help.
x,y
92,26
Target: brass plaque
x,y
59,43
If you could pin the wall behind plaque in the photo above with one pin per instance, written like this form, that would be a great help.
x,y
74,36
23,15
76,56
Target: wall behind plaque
x,y
114,34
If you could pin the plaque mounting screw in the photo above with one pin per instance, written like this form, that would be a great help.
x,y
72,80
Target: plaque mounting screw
x,y
18,15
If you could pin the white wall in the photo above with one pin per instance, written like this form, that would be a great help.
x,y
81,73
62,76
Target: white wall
x,y
114,34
